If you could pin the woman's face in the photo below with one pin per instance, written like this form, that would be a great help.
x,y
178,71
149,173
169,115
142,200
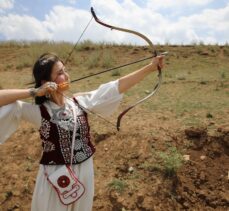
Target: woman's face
x,y
59,74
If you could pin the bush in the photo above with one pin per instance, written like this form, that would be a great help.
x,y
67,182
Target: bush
x,y
108,60
117,185
93,61
171,161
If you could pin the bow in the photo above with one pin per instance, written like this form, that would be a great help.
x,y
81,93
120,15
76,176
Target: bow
x,y
154,55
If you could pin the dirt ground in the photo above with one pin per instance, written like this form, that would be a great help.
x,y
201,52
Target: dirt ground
x,y
130,173
201,183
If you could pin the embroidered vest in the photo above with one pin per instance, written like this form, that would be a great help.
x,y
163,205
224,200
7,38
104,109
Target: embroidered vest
x,y
57,140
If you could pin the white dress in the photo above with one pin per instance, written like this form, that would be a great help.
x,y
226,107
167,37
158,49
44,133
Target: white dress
x,y
102,101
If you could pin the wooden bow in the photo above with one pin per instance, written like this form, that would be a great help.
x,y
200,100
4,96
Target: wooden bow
x,y
154,52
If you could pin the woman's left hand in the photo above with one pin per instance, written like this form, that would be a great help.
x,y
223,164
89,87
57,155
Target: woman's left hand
x,y
157,61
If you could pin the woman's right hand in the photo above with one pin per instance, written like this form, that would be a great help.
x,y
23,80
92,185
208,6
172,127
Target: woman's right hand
x,y
46,88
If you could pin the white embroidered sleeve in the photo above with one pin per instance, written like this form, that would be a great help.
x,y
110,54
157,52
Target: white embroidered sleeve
x,y
12,114
103,100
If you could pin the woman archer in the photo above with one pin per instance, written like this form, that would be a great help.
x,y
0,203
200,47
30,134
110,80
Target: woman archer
x,y
63,128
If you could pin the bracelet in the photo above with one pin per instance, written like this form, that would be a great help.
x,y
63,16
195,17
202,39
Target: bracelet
x,y
33,92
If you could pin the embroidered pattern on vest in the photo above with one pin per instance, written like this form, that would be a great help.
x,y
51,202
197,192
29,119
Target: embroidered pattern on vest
x,y
81,149
45,128
48,146
65,143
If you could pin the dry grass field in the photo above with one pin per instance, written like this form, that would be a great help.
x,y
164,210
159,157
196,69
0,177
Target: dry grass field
x,y
142,167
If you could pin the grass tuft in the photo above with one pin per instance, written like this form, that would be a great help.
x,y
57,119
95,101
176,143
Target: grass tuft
x,y
118,185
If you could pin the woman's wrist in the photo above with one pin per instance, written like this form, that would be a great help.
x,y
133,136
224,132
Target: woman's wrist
x,y
33,92
151,67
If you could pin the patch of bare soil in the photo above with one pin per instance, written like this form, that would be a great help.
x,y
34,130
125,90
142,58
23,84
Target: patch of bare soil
x,y
201,184
126,177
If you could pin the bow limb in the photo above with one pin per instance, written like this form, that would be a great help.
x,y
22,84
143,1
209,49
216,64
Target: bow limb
x,y
154,52
122,29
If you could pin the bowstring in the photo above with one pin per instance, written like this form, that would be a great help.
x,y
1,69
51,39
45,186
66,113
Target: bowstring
x,y
69,55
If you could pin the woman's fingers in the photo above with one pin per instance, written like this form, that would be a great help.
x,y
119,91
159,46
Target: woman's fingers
x,y
158,61
51,86
161,61
47,88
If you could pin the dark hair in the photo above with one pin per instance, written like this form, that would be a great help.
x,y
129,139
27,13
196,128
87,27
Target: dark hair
x,y
42,70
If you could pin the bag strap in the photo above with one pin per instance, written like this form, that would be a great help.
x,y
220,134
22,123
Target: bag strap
x,y
74,134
